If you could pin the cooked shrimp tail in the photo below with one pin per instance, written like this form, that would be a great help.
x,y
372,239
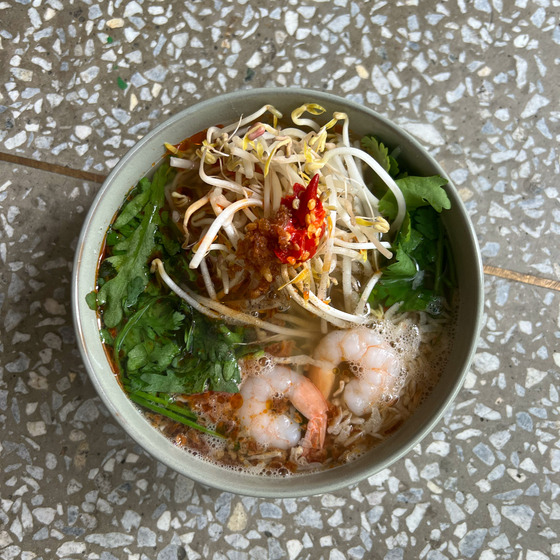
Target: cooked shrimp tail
x,y
281,430
375,364
315,434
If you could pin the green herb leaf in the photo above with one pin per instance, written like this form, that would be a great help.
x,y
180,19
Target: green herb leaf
x,y
161,356
170,244
427,225
169,382
414,276
106,337
381,154
116,293
134,289
137,357
392,291
168,347
133,207
91,300
417,192
217,361
404,266
393,166
377,151
163,318
113,237
426,222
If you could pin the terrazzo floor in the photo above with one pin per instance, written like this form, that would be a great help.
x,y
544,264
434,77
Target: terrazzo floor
x,y
475,80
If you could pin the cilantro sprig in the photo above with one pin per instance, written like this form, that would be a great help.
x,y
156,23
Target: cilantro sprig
x,y
131,255
160,345
168,347
420,271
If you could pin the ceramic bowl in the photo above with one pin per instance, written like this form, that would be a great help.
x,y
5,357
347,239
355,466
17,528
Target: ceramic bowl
x,y
139,161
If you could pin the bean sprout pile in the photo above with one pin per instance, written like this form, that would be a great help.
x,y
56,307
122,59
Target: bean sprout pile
x,y
248,168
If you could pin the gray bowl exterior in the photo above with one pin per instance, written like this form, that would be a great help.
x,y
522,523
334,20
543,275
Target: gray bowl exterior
x,y
139,161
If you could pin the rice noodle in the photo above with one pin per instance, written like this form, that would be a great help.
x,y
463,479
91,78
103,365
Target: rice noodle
x,y
297,298
217,225
366,293
207,280
209,307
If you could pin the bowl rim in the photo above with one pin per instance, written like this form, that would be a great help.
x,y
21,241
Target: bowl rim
x,y
114,403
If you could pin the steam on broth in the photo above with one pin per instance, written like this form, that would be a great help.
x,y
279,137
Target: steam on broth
x,y
280,296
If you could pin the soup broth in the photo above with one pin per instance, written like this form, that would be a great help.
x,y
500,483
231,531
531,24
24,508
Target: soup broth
x,y
279,298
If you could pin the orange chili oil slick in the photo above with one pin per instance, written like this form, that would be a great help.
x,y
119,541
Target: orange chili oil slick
x,y
194,140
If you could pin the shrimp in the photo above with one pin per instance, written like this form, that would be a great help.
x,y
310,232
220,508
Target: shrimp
x,y
375,364
280,430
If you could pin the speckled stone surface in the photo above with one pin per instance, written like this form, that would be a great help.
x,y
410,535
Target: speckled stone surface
x,y
475,80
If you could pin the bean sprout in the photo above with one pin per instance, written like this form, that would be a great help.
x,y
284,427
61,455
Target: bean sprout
x,y
247,170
